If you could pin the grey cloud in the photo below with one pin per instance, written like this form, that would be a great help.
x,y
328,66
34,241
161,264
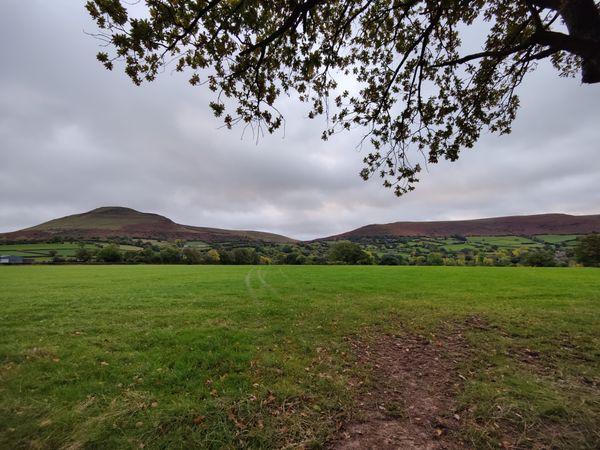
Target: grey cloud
x,y
74,137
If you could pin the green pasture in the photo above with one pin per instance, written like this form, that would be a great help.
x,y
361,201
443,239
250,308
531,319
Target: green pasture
x,y
503,241
460,247
569,239
197,244
67,246
213,357
40,252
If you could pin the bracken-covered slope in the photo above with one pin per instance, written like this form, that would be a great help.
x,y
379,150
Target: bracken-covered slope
x,y
497,226
114,221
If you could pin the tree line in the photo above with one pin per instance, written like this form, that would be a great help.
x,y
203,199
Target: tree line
x,y
586,252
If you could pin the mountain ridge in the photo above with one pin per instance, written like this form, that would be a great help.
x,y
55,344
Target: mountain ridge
x,y
535,224
118,221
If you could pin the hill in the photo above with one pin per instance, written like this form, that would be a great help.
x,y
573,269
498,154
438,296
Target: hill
x,y
497,226
114,221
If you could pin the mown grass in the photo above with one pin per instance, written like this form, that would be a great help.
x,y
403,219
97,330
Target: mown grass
x,y
244,356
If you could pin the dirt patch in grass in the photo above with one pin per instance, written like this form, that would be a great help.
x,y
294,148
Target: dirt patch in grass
x,y
409,403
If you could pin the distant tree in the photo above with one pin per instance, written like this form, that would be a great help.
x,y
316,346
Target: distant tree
x,y
170,255
213,257
391,260
469,258
488,261
132,256
349,253
416,90
245,256
149,255
588,250
502,257
317,259
191,256
301,259
435,259
110,253
293,257
419,260
480,258
82,254
226,256
287,248
538,258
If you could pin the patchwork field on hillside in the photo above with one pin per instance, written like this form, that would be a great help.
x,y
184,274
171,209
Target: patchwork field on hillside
x,y
44,252
297,356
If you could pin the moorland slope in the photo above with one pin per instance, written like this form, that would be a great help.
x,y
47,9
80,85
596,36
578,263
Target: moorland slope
x,y
497,226
116,221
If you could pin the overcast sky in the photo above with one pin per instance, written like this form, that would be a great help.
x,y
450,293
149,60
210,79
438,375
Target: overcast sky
x,y
74,137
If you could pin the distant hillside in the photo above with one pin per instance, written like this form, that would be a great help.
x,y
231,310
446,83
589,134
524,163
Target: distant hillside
x,y
116,221
497,226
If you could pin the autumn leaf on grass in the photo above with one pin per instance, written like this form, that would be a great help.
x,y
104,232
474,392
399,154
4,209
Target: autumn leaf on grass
x,y
270,399
238,424
199,420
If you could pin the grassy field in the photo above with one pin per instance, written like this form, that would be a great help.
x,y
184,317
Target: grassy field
x,y
482,244
559,238
503,241
259,356
41,252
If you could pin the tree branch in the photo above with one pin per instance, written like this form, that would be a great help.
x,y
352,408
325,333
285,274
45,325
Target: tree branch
x,y
548,4
290,22
560,41
487,54
190,28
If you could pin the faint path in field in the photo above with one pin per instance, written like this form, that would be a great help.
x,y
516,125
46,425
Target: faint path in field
x,y
410,402
265,283
258,272
248,283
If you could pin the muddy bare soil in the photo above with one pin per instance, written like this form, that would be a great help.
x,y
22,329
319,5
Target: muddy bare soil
x,y
409,402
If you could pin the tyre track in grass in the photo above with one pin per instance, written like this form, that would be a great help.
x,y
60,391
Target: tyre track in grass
x,y
248,282
264,283
254,292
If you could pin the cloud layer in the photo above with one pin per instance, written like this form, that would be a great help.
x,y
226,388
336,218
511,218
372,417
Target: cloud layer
x,y
74,137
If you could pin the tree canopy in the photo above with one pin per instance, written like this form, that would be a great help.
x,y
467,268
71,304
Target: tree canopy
x,y
399,69
349,253
588,250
